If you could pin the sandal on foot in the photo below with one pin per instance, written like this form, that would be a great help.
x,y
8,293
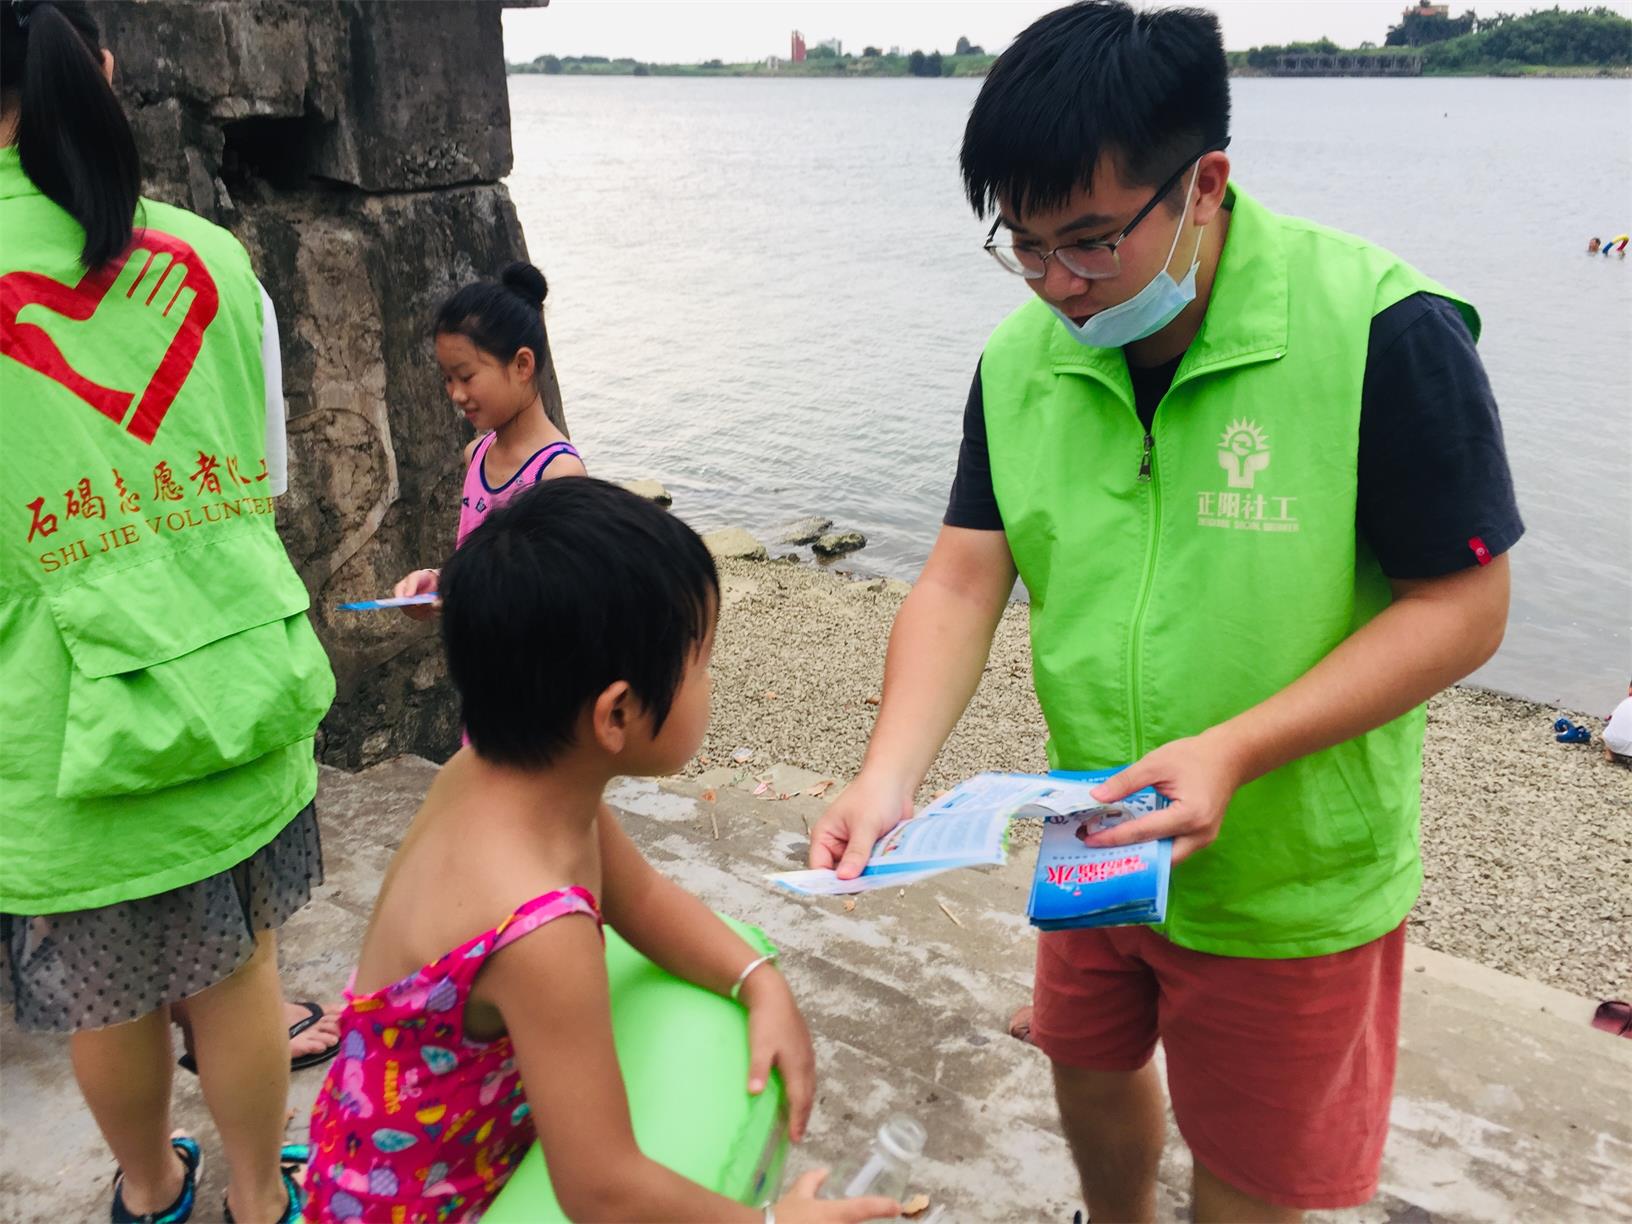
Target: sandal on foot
x,y
179,1211
288,1165
297,1062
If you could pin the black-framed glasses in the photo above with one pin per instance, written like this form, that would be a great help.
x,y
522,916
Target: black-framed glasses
x,y
1096,260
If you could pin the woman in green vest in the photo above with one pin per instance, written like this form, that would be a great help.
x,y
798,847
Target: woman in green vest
x,y
163,683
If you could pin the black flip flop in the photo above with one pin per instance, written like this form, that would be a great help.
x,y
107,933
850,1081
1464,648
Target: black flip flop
x,y
299,1062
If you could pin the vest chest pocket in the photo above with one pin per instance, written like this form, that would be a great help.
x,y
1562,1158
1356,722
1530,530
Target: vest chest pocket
x,y
187,666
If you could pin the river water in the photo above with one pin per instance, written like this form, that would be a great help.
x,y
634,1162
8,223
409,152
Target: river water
x,y
770,295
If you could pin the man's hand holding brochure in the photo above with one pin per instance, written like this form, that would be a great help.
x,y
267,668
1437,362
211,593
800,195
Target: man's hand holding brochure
x,y
1075,884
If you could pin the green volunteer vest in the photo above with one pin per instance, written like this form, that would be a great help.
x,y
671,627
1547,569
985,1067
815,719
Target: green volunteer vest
x,y
162,681
1174,586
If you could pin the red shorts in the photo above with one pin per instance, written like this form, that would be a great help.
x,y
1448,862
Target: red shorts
x,y
1281,1071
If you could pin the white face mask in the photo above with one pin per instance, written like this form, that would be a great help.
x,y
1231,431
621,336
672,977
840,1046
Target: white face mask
x,y
1149,310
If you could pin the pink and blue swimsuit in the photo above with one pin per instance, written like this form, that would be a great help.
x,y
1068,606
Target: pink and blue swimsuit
x,y
478,498
417,1121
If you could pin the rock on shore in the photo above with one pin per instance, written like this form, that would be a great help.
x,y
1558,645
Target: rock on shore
x,y
805,530
651,490
838,543
733,543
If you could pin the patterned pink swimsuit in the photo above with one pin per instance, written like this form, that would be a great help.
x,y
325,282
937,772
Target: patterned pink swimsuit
x,y
478,497
416,1121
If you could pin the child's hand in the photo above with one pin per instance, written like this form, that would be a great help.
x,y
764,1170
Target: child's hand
x,y
420,582
777,1036
801,1206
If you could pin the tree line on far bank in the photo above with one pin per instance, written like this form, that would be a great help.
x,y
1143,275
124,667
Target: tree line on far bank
x,y
1550,38
1580,39
968,59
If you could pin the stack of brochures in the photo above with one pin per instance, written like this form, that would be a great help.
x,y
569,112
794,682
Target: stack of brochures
x,y
1075,885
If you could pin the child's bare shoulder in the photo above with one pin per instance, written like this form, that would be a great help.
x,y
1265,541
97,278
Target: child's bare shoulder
x,y
486,876
456,875
566,465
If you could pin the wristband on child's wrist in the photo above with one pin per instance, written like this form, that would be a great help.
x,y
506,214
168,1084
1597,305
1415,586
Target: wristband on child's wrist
x,y
742,978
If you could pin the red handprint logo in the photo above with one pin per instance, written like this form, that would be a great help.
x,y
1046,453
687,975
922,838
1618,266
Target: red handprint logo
x,y
127,332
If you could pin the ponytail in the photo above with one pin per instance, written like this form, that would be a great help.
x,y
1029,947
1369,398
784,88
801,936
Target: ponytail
x,y
73,139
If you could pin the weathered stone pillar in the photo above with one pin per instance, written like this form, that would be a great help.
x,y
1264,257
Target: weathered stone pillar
x,y
356,147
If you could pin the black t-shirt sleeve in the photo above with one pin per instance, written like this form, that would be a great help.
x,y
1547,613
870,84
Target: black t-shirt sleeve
x,y
1433,479
972,502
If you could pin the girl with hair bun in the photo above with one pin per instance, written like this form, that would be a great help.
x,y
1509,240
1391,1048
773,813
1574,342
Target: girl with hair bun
x,y
491,346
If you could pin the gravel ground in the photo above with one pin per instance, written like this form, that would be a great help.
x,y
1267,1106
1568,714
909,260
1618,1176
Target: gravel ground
x,y
1527,843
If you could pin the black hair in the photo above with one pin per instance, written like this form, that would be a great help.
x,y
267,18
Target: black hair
x,y
571,587
500,317
1151,88
73,139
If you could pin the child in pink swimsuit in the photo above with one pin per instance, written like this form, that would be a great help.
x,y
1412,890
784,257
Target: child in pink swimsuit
x,y
409,1079
491,345
579,622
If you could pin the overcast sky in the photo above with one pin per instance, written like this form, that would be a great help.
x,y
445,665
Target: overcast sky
x,y
686,31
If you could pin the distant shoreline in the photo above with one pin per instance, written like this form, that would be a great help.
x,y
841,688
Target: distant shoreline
x,y
788,72
1527,71
872,67
1580,44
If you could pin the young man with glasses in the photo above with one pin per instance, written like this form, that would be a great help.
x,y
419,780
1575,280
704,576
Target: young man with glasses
x,y
1252,475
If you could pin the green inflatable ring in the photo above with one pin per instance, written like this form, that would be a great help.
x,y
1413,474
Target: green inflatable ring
x,y
684,1056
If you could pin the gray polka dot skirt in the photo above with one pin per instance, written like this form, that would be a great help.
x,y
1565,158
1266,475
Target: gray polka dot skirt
x,y
88,969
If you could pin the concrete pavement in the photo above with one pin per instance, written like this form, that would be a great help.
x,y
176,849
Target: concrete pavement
x,y
1508,1105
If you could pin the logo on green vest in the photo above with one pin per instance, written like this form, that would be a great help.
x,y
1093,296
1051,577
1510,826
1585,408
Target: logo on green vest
x,y
126,333
1243,452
